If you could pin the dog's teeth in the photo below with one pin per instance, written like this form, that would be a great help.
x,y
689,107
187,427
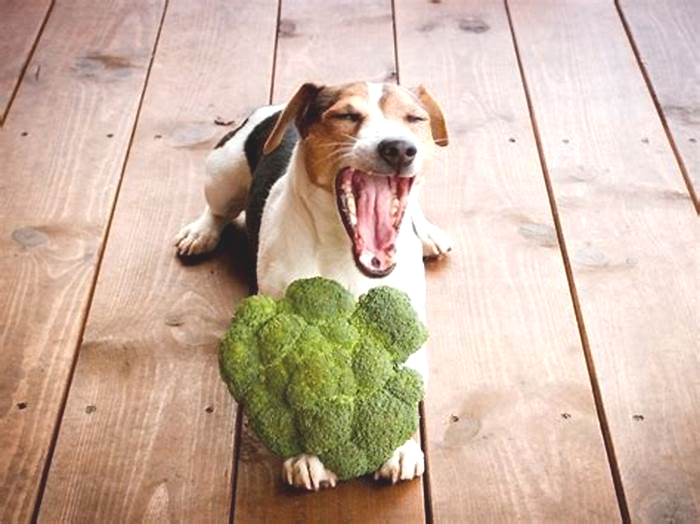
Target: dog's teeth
x,y
352,209
394,206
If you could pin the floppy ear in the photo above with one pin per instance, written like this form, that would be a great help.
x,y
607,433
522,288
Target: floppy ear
x,y
295,110
437,120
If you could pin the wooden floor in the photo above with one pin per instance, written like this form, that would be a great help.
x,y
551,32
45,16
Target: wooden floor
x,y
565,376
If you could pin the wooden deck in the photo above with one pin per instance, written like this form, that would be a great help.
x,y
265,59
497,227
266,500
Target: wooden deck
x,y
565,376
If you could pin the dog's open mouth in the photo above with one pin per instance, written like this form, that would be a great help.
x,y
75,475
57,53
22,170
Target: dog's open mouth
x,y
372,207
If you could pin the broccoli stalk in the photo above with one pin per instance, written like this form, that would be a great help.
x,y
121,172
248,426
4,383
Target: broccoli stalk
x,y
319,373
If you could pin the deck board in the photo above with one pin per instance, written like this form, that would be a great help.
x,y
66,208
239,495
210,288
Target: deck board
x,y
633,242
505,353
668,40
62,149
148,431
147,427
20,25
331,43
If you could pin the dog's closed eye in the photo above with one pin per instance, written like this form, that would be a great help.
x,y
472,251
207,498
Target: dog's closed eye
x,y
412,119
349,116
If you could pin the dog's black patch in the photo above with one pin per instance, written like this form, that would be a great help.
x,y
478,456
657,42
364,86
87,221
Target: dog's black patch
x,y
266,170
229,135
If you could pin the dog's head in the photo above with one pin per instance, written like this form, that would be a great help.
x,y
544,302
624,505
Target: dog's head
x,y
365,144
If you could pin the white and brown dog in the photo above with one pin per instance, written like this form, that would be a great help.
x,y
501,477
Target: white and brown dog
x,y
327,197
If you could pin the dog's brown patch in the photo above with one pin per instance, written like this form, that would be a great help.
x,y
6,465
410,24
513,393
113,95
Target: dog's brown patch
x,y
401,105
329,135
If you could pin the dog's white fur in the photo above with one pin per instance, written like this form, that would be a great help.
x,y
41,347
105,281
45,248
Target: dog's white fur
x,y
296,215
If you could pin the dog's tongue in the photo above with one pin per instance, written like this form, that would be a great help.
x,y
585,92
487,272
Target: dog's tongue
x,y
379,203
375,225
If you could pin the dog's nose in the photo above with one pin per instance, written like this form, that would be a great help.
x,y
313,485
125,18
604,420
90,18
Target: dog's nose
x,y
397,153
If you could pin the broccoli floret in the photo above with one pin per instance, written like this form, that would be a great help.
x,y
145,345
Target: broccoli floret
x,y
320,373
387,315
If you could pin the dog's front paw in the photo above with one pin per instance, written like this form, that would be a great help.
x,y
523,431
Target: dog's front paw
x,y
307,471
406,463
200,236
435,241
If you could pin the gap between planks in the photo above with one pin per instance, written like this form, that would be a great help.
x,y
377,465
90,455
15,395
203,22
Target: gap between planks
x,y
423,423
27,61
238,433
590,364
98,266
273,72
662,117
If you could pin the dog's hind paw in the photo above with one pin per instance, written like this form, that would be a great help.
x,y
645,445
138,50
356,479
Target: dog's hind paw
x,y
307,471
200,236
406,463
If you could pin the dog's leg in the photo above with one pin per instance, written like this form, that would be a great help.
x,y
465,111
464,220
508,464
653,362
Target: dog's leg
x,y
435,241
307,471
408,460
226,191
406,463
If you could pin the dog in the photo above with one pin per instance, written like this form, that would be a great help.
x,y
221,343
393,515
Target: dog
x,y
326,181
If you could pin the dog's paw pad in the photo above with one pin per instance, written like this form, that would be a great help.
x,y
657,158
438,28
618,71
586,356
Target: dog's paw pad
x,y
435,241
406,463
308,472
196,238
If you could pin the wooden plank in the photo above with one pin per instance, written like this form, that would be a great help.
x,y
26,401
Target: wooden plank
x,y
633,241
62,148
668,41
148,431
511,423
333,42
329,42
20,25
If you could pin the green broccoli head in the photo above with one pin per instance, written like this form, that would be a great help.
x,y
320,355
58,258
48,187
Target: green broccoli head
x,y
318,372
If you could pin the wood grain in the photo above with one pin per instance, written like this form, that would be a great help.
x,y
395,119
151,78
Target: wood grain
x,y
667,38
633,240
20,24
331,43
511,423
62,148
148,430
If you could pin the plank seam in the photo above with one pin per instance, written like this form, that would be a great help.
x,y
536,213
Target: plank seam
x,y
238,437
273,74
590,364
427,492
93,285
30,56
238,434
422,426
659,109
396,41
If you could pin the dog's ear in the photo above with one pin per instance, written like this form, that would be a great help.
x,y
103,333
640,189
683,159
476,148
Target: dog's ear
x,y
294,111
438,127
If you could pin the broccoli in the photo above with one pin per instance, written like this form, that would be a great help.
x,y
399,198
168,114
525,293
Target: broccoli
x,y
318,372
